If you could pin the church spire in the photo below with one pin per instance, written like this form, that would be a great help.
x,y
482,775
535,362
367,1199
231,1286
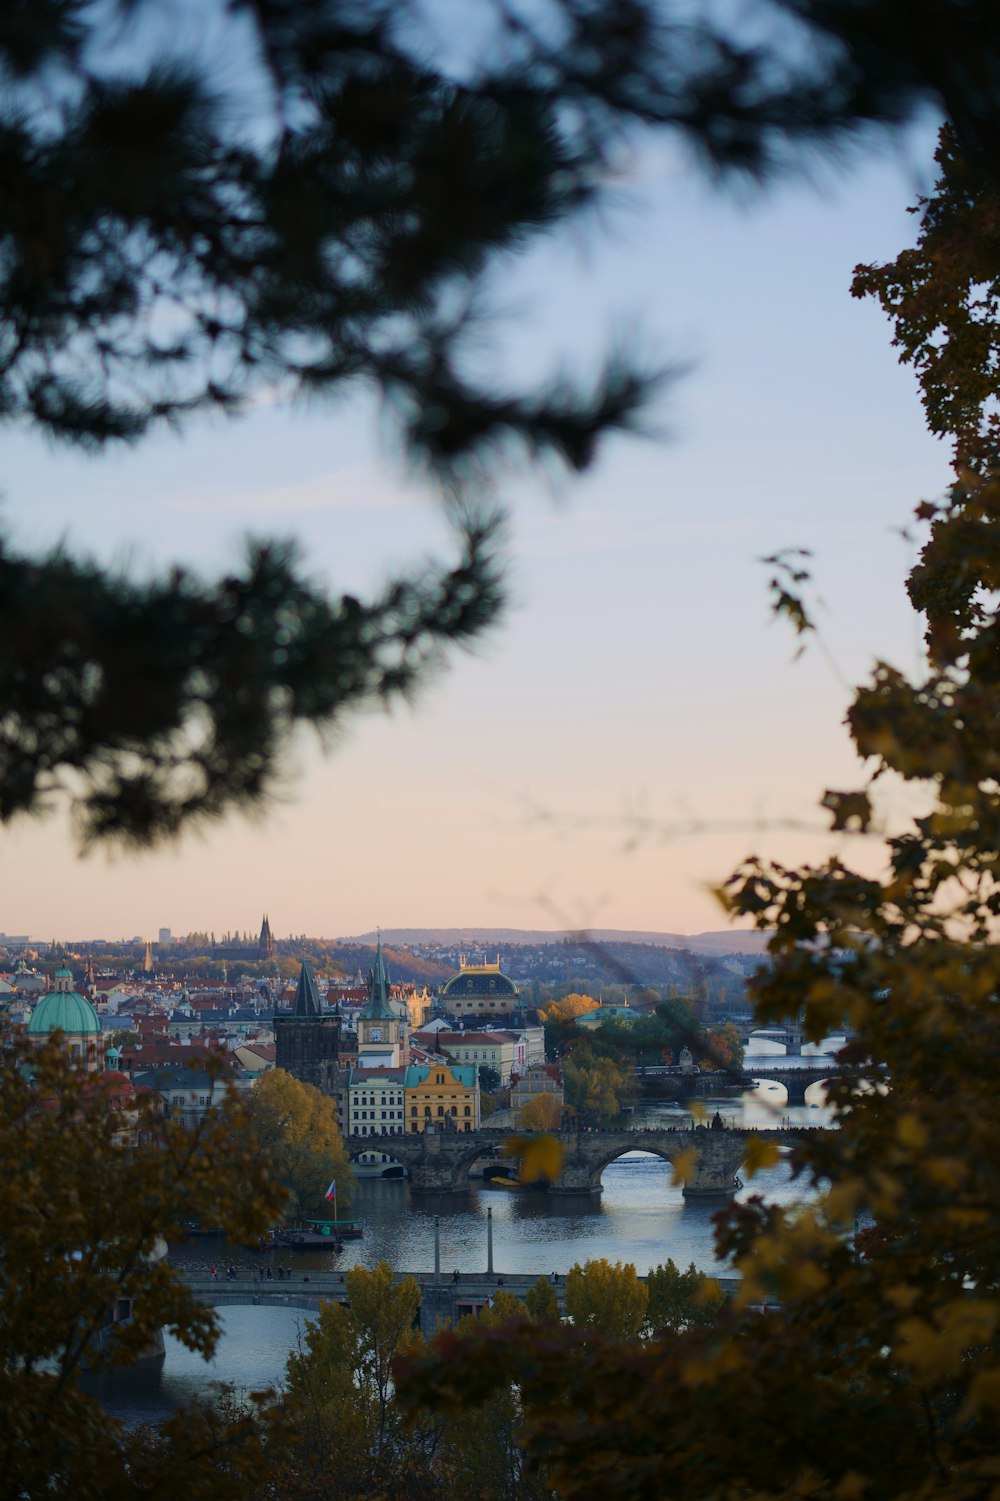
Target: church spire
x,y
307,1001
265,943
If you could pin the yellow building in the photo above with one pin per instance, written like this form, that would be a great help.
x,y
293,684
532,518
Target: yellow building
x,y
442,1095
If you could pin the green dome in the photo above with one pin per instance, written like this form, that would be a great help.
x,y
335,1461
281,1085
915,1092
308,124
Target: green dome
x,y
63,1011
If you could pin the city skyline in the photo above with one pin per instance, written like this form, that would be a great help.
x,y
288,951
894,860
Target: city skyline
x,y
636,725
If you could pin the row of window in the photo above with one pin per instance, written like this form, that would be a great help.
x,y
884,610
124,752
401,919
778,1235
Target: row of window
x,y
452,1110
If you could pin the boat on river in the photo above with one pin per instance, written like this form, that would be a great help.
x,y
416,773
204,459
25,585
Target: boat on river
x,y
317,1235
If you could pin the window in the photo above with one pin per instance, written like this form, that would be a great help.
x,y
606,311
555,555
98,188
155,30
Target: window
x,y
467,1110
413,1109
440,1110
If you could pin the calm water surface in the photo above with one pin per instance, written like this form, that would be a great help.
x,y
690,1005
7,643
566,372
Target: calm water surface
x,y
640,1217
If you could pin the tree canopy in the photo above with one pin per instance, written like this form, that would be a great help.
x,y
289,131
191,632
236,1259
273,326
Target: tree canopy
x,y
296,1125
83,1222
308,205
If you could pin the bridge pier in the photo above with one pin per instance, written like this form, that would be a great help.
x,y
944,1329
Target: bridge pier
x,y
718,1157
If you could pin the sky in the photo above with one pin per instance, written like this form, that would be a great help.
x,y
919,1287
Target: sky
x,y
637,724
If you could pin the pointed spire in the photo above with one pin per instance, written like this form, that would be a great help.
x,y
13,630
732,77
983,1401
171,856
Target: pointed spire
x,y
378,987
265,943
307,993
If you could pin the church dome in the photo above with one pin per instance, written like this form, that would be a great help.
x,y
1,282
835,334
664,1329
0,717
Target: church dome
x,y
480,981
63,1011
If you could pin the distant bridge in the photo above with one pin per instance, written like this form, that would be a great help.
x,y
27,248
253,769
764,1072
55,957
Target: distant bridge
x,y
444,1296
440,1161
795,1073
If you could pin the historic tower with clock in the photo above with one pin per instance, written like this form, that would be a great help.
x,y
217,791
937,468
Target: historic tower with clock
x,y
378,1026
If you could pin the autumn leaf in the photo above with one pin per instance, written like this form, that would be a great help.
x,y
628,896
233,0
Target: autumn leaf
x,y
685,1165
541,1156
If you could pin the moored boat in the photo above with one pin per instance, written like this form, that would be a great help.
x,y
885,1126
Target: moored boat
x,y
312,1235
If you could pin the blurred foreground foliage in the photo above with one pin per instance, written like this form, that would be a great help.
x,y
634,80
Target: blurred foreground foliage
x,y
84,1215
206,207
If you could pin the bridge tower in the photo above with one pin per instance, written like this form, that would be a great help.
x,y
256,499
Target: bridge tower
x,y
307,1043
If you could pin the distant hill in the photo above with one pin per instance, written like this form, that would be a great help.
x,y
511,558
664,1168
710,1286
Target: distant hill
x,y
726,941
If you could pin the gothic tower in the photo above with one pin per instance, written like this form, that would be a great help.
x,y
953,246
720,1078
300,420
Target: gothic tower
x,y
265,944
307,1043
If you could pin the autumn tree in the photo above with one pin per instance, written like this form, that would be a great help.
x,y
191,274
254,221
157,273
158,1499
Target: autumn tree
x,y
606,1299
597,1087
340,1396
83,1230
480,1450
723,1048
297,1127
681,1300
541,1300
543,1112
881,1376
569,1008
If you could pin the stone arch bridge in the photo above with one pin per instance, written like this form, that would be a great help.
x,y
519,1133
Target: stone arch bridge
x,y
440,1161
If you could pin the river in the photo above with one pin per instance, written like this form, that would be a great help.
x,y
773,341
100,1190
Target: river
x,y
641,1217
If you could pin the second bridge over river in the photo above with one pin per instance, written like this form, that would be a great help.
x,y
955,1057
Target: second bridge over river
x,y
441,1161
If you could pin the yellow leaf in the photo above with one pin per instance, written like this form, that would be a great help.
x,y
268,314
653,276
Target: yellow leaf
x,y
541,1156
984,1393
685,1165
707,1292
911,1130
760,1154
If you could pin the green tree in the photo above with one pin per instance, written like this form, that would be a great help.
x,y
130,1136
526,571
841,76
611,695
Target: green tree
x,y
541,1300
83,1227
681,1300
606,1299
489,1078
297,1127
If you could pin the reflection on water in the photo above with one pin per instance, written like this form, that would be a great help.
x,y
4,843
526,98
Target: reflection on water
x,y
641,1217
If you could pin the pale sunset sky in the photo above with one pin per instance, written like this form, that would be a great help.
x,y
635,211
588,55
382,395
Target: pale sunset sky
x,y
637,724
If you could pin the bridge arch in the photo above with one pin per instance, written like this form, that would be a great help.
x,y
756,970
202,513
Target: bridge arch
x,y
718,1155
795,1081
